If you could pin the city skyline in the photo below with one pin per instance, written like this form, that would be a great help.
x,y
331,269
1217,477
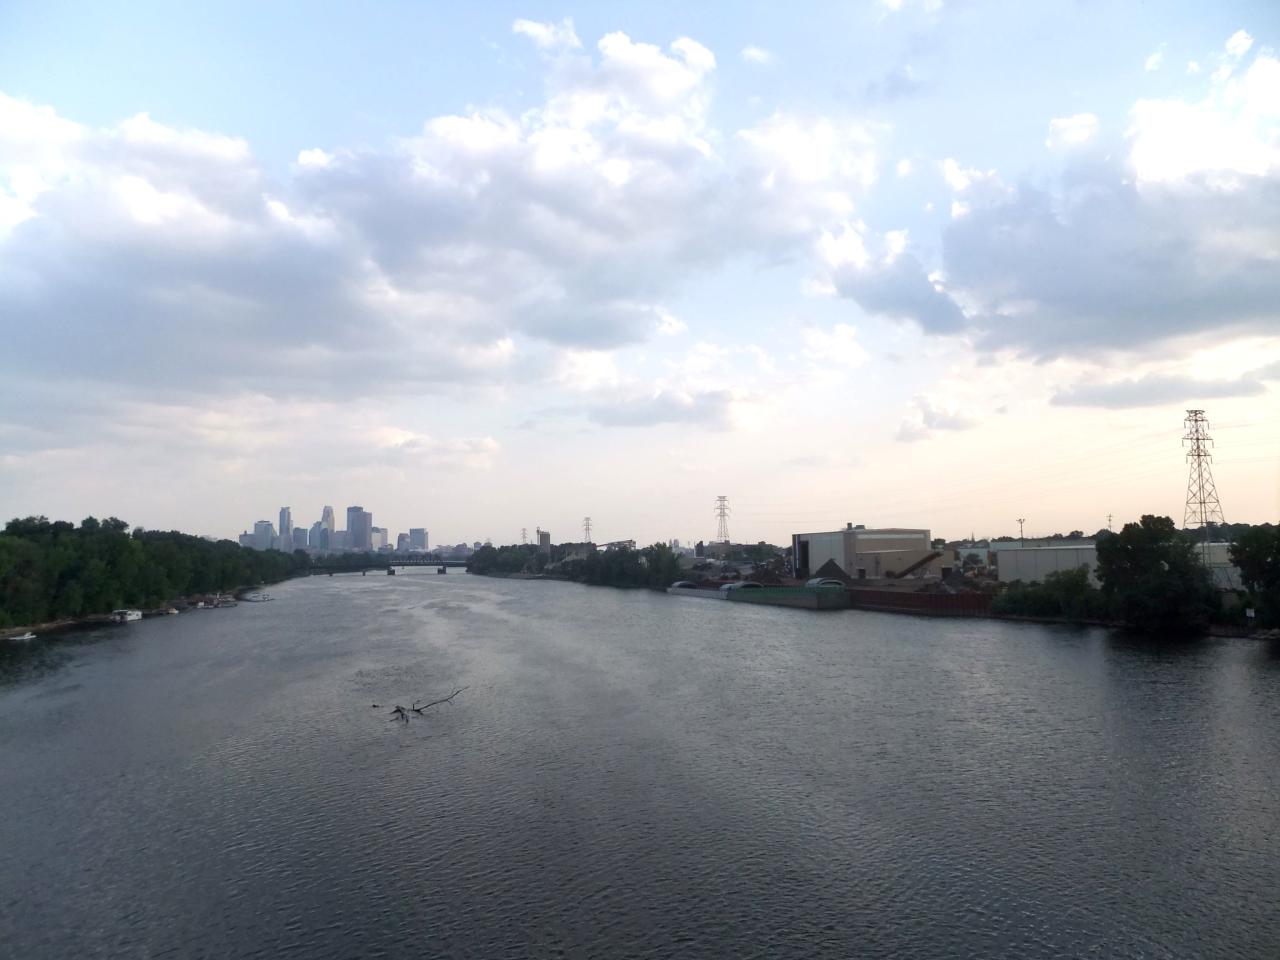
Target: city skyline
x,y
612,262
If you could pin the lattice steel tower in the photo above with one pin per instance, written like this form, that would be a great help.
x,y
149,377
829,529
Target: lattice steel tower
x,y
722,511
586,529
1204,509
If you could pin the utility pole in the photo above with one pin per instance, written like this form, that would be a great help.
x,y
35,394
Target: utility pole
x,y
586,529
722,527
1108,523
1204,509
1021,521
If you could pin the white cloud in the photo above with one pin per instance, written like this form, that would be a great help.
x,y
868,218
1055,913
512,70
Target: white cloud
x,y
1231,131
670,325
927,6
1193,67
903,167
549,36
1154,60
1072,131
759,55
835,347
1239,44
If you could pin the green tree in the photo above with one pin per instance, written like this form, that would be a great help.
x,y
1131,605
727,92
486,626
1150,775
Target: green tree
x,y
1256,552
1153,580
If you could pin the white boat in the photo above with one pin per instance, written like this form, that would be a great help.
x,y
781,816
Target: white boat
x,y
125,616
26,636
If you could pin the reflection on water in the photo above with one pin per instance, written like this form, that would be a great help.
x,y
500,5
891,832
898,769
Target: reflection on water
x,y
631,774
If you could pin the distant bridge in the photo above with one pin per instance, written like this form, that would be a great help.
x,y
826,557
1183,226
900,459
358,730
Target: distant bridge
x,y
382,563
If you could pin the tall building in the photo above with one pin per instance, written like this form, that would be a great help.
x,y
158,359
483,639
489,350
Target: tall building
x,y
313,538
359,528
263,535
417,538
377,538
286,525
299,538
326,520
544,542
247,540
402,543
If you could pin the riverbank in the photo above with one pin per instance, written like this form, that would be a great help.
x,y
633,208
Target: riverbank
x,y
92,621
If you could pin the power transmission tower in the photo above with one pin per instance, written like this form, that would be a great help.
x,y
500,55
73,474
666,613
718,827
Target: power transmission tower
x,y
524,535
1108,521
722,511
586,529
1021,521
1204,509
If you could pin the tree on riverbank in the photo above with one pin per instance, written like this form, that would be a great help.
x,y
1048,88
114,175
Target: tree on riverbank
x,y
655,566
1153,580
1256,553
53,570
1065,594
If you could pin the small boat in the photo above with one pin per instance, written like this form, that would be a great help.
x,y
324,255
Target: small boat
x,y
26,636
125,616
171,611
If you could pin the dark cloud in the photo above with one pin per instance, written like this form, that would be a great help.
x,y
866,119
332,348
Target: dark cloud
x,y
1153,391
900,290
1108,264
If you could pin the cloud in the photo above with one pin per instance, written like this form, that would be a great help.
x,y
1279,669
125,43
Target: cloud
x,y
549,36
927,416
467,253
710,409
1239,44
926,6
1072,131
1155,390
757,55
836,347
1179,237
897,84
889,281
1154,60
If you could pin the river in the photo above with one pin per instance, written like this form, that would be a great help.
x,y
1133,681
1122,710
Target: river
x,y
629,774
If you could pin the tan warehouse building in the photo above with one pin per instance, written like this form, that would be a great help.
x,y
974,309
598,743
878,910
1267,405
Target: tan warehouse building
x,y
867,554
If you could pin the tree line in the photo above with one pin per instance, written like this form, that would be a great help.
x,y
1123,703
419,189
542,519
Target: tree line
x,y
50,570
1151,578
657,566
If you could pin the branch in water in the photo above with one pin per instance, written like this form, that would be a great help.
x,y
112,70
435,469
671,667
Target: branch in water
x,y
449,699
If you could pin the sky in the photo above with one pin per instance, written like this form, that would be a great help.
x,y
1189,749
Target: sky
x,y
492,267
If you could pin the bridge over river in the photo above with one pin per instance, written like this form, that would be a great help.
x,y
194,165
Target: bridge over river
x,y
364,565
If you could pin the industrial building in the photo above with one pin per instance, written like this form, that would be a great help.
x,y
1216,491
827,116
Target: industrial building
x,y
1032,564
863,554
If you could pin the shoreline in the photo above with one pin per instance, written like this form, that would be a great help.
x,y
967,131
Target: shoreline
x,y
91,621
1220,631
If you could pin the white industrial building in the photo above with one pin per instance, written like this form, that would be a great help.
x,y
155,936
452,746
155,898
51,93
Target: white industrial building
x,y
866,554
1033,564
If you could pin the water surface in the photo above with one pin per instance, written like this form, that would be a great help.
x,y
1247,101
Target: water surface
x,y
631,774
